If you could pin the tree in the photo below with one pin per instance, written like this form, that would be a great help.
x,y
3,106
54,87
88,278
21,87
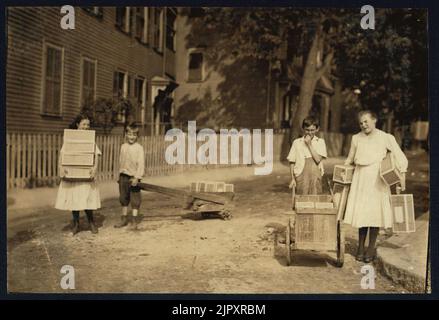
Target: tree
x,y
262,33
383,62
388,66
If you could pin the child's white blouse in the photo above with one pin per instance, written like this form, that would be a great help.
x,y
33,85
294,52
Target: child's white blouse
x,y
299,152
372,148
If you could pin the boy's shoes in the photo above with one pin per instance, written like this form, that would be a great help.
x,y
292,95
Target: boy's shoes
x,y
370,257
123,222
93,228
75,228
134,224
360,256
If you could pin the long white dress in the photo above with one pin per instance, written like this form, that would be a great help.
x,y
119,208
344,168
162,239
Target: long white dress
x,y
78,195
368,202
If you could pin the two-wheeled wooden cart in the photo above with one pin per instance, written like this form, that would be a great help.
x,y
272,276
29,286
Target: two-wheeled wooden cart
x,y
315,225
207,203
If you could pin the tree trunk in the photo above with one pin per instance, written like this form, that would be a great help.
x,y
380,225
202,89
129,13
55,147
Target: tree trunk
x,y
310,77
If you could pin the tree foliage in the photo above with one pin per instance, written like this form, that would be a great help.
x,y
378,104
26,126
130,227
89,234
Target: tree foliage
x,y
388,64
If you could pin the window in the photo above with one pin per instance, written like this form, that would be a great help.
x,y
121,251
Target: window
x,y
140,95
195,66
52,80
142,24
95,11
157,28
121,89
123,19
120,85
88,81
171,16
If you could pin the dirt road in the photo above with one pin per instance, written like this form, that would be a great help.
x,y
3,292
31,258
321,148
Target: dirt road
x,y
173,252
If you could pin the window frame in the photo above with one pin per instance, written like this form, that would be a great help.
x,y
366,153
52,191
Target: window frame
x,y
126,27
125,89
144,39
43,110
125,92
195,51
143,96
158,47
81,88
173,29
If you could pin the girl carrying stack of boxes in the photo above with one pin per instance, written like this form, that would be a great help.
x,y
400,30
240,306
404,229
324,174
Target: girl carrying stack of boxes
x,y
78,163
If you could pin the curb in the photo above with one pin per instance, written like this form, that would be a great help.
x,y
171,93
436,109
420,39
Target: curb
x,y
400,276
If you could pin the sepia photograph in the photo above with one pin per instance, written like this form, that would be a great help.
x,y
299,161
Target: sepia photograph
x,y
217,150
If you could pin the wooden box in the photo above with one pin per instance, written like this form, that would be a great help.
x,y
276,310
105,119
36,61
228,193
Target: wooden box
x,y
77,159
403,213
193,186
388,171
314,204
343,174
211,186
340,196
315,231
79,135
77,173
74,146
419,130
220,187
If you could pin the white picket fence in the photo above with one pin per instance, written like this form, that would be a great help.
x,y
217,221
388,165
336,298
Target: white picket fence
x,y
32,159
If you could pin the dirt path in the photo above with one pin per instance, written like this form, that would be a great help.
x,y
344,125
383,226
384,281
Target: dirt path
x,y
171,253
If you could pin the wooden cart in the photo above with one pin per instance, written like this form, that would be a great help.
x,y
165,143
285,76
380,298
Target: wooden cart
x,y
314,225
207,203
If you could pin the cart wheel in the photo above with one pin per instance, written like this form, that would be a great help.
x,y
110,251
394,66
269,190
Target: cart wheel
x,y
288,242
340,245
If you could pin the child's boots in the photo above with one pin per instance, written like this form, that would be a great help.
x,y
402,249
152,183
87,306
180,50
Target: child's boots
x,y
75,227
90,218
123,222
134,223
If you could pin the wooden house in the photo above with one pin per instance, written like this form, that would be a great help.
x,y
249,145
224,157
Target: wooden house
x,y
112,52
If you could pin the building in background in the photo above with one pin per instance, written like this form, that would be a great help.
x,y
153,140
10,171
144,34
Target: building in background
x,y
240,93
113,52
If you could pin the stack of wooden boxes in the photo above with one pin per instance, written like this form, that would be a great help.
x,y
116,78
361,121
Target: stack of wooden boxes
x,y
315,222
342,178
211,186
402,204
78,157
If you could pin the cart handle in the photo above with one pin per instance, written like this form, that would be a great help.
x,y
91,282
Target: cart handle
x,y
293,196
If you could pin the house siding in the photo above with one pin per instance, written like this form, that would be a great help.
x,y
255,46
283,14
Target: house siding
x,y
231,94
95,38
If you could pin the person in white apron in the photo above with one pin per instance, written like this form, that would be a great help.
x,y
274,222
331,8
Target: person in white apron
x,y
368,205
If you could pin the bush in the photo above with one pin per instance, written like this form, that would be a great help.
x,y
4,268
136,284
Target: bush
x,y
106,113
